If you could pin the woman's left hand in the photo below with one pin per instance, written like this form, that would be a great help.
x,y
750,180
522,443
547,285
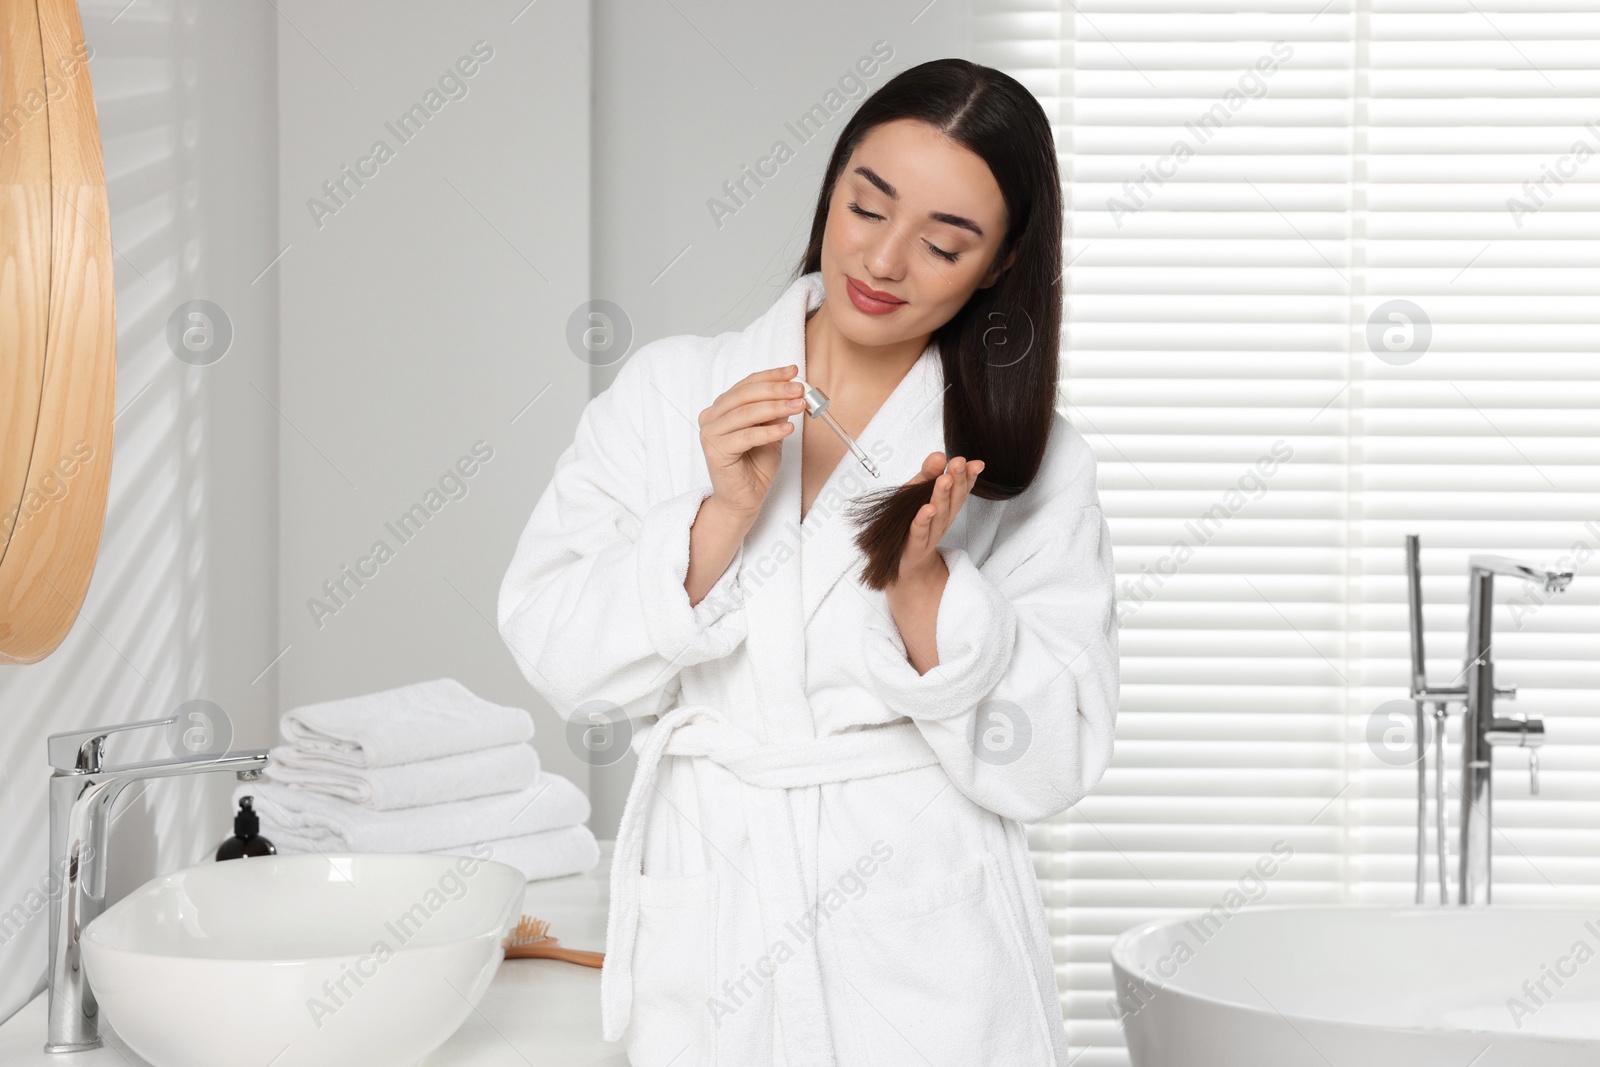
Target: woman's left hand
x,y
920,557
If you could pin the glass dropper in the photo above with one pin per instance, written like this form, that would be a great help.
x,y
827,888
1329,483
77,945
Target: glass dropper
x,y
817,407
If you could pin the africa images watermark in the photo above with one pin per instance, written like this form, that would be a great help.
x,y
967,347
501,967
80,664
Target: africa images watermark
x,y
828,507
1537,990
341,589
807,128
341,189
450,886
33,103
1534,596
1252,85
1203,528
850,886
1565,166
48,488
1251,887
36,901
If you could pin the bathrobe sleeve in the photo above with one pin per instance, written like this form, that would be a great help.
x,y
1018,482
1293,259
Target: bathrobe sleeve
x,y
1021,706
593,605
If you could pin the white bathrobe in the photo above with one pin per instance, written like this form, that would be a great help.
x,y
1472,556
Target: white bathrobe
x,y
821,860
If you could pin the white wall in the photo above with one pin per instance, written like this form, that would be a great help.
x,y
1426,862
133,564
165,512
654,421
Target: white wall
x,y
182,605
422,311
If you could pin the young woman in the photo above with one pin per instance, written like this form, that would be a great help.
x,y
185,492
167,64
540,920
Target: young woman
x,y
846,692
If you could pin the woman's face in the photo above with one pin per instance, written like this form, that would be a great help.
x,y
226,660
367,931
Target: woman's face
x,y
917,218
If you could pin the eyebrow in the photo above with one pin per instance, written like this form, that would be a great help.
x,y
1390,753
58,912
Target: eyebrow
x,y
937,216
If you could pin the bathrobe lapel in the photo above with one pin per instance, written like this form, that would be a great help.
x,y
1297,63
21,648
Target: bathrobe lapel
x,y
908,426
780,593
782,585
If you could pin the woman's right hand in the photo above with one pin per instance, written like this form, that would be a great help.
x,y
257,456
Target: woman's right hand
x,y
742,434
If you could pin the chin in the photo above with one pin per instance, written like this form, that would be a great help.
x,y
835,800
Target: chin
x,y
868,331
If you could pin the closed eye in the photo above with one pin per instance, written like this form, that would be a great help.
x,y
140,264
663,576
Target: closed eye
x,y
950,257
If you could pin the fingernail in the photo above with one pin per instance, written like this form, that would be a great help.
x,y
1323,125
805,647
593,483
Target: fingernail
x,y
793,388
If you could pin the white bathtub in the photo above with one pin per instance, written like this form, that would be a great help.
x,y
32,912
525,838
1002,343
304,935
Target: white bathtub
x,y
1363,987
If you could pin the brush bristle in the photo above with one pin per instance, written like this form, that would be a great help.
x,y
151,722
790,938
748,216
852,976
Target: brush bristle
x,y
529,930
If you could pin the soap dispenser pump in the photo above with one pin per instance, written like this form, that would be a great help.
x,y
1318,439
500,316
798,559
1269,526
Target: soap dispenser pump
x,y
246,840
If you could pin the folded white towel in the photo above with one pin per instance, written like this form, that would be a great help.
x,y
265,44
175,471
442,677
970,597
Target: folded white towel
x,y
501,769
328,824
546,854
549,854
413,722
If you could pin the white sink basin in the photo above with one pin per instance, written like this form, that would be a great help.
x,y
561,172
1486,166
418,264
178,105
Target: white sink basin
x,y
302,961
1491,986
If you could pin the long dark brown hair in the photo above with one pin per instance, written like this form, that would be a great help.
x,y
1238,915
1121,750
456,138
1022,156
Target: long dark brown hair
x,y
999,352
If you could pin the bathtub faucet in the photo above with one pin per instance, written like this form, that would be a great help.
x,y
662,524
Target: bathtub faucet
x,y
1482,729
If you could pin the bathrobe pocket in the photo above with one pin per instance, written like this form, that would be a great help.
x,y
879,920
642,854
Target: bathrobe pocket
x,y
939,976
672,956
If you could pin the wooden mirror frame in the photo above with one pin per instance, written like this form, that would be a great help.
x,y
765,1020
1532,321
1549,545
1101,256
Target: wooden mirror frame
x,y
58,337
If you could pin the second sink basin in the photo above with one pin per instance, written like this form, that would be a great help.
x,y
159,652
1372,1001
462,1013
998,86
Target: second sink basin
x,y
312,960
1298,986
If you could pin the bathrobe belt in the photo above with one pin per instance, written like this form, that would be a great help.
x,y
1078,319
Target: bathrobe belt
x,y
771,768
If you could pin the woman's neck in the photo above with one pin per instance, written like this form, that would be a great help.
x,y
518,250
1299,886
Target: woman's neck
x,y
852,374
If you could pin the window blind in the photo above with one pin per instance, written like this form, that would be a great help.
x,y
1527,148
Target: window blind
x,y
1333,269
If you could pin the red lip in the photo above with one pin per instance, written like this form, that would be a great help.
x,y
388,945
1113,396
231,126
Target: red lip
x,y
884,301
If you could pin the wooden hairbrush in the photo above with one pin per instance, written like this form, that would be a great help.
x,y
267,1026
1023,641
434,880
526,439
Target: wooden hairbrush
x,y
531,940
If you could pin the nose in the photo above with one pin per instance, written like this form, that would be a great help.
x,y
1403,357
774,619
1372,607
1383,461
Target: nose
x,y
886,255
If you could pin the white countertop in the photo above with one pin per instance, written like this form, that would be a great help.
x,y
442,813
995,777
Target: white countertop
x,y
536,1013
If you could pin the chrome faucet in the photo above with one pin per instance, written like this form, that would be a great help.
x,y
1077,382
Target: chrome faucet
x,y
1481,730
82,791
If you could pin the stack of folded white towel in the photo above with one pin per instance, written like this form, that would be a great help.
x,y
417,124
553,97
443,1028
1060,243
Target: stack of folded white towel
x,y
430,767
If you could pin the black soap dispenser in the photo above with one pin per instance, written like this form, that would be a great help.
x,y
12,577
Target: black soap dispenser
x,y
246,840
